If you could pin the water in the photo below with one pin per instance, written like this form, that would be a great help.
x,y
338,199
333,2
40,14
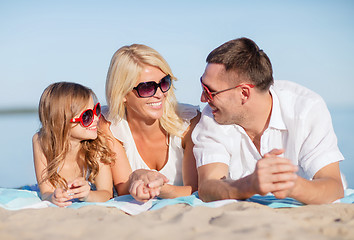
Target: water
x,y
16,146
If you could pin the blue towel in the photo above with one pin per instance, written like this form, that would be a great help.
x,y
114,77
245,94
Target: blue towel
x,y
15,199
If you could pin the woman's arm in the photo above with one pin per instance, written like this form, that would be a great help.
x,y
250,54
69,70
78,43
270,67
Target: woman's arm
x,y
189,169
121,169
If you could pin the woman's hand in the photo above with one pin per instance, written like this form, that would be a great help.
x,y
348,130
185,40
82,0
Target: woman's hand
x,y
61,198
146,184
79,188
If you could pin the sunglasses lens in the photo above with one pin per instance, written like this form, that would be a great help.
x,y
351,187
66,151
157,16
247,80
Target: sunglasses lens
x,y
87,117
165,83
98,110
147,89
206,93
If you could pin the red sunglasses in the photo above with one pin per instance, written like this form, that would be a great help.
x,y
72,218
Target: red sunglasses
x,y
87,116
210,95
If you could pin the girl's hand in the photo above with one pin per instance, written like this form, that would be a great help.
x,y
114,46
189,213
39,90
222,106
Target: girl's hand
x,y
79,188
61,198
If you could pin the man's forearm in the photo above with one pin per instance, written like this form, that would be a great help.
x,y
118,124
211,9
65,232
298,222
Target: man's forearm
x,y
214,189
317,191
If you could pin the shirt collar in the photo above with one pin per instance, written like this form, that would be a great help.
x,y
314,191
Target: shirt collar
x,y
276,119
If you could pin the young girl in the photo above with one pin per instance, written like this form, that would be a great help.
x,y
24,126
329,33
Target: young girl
x,y
69,153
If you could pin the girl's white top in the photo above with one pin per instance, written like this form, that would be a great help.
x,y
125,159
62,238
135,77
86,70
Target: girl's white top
x,y
173,168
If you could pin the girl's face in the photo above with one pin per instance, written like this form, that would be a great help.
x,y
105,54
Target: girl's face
x,y
79,132
150,108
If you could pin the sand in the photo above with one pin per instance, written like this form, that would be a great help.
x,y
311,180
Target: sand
x,y
241,220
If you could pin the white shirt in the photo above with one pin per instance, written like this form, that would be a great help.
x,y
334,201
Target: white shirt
x,y
173,168
300,123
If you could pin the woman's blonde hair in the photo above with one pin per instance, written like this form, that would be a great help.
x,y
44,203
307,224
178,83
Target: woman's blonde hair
x,y
124,71
59,103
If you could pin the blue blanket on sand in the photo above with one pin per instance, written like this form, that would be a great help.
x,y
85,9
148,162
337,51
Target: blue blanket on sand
x,y
15,199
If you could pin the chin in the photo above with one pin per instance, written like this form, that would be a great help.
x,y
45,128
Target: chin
x,y
156,114
92,137
221,121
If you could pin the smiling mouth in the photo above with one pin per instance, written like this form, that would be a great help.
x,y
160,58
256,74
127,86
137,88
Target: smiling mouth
x,y
155,104
213,109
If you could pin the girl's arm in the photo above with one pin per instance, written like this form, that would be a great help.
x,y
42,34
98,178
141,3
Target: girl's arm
x,y
80,188
104,185
57,196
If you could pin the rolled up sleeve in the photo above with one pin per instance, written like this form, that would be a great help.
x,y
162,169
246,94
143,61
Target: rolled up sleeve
x,y
210,140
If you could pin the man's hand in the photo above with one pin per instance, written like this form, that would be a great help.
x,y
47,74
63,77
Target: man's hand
x,y
274,174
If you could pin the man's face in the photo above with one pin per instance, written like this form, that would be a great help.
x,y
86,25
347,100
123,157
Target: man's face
x,y
226,106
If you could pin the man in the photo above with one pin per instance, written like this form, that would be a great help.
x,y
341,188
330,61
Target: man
x,y
258,137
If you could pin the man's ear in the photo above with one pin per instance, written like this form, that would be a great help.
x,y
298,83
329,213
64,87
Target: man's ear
x,y
245,93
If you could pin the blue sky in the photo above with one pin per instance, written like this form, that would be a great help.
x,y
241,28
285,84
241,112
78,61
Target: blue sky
x,y
41,42
309,42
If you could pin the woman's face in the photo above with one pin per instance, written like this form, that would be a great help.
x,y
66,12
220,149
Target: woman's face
x,y
79,132
150,108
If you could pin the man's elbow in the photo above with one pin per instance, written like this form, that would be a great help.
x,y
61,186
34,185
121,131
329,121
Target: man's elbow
x,y
340,191
204,192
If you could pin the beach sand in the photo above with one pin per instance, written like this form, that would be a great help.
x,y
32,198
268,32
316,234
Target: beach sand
x,y
241,220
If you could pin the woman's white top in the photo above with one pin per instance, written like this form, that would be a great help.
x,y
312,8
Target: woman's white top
x,y
173,168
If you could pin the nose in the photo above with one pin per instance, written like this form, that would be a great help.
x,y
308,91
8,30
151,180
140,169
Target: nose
x,y
203,98
158,93
95,118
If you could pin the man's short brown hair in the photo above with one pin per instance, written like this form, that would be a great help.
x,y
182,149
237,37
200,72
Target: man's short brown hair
x,y
244,57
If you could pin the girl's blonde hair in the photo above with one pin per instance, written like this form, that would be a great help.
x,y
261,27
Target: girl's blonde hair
x,y
124,72
59,103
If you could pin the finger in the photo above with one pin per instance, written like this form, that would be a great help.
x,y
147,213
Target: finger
x,y
283,168
63,204
133,187
78,183
156,183
62,199
155,192
140,193
281,194
79,186
283,177
282,186
81,193
165,179
270,161
58,192
154,175
275,152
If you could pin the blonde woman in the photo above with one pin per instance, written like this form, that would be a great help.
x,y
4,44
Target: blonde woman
x,y
145,119
69,154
